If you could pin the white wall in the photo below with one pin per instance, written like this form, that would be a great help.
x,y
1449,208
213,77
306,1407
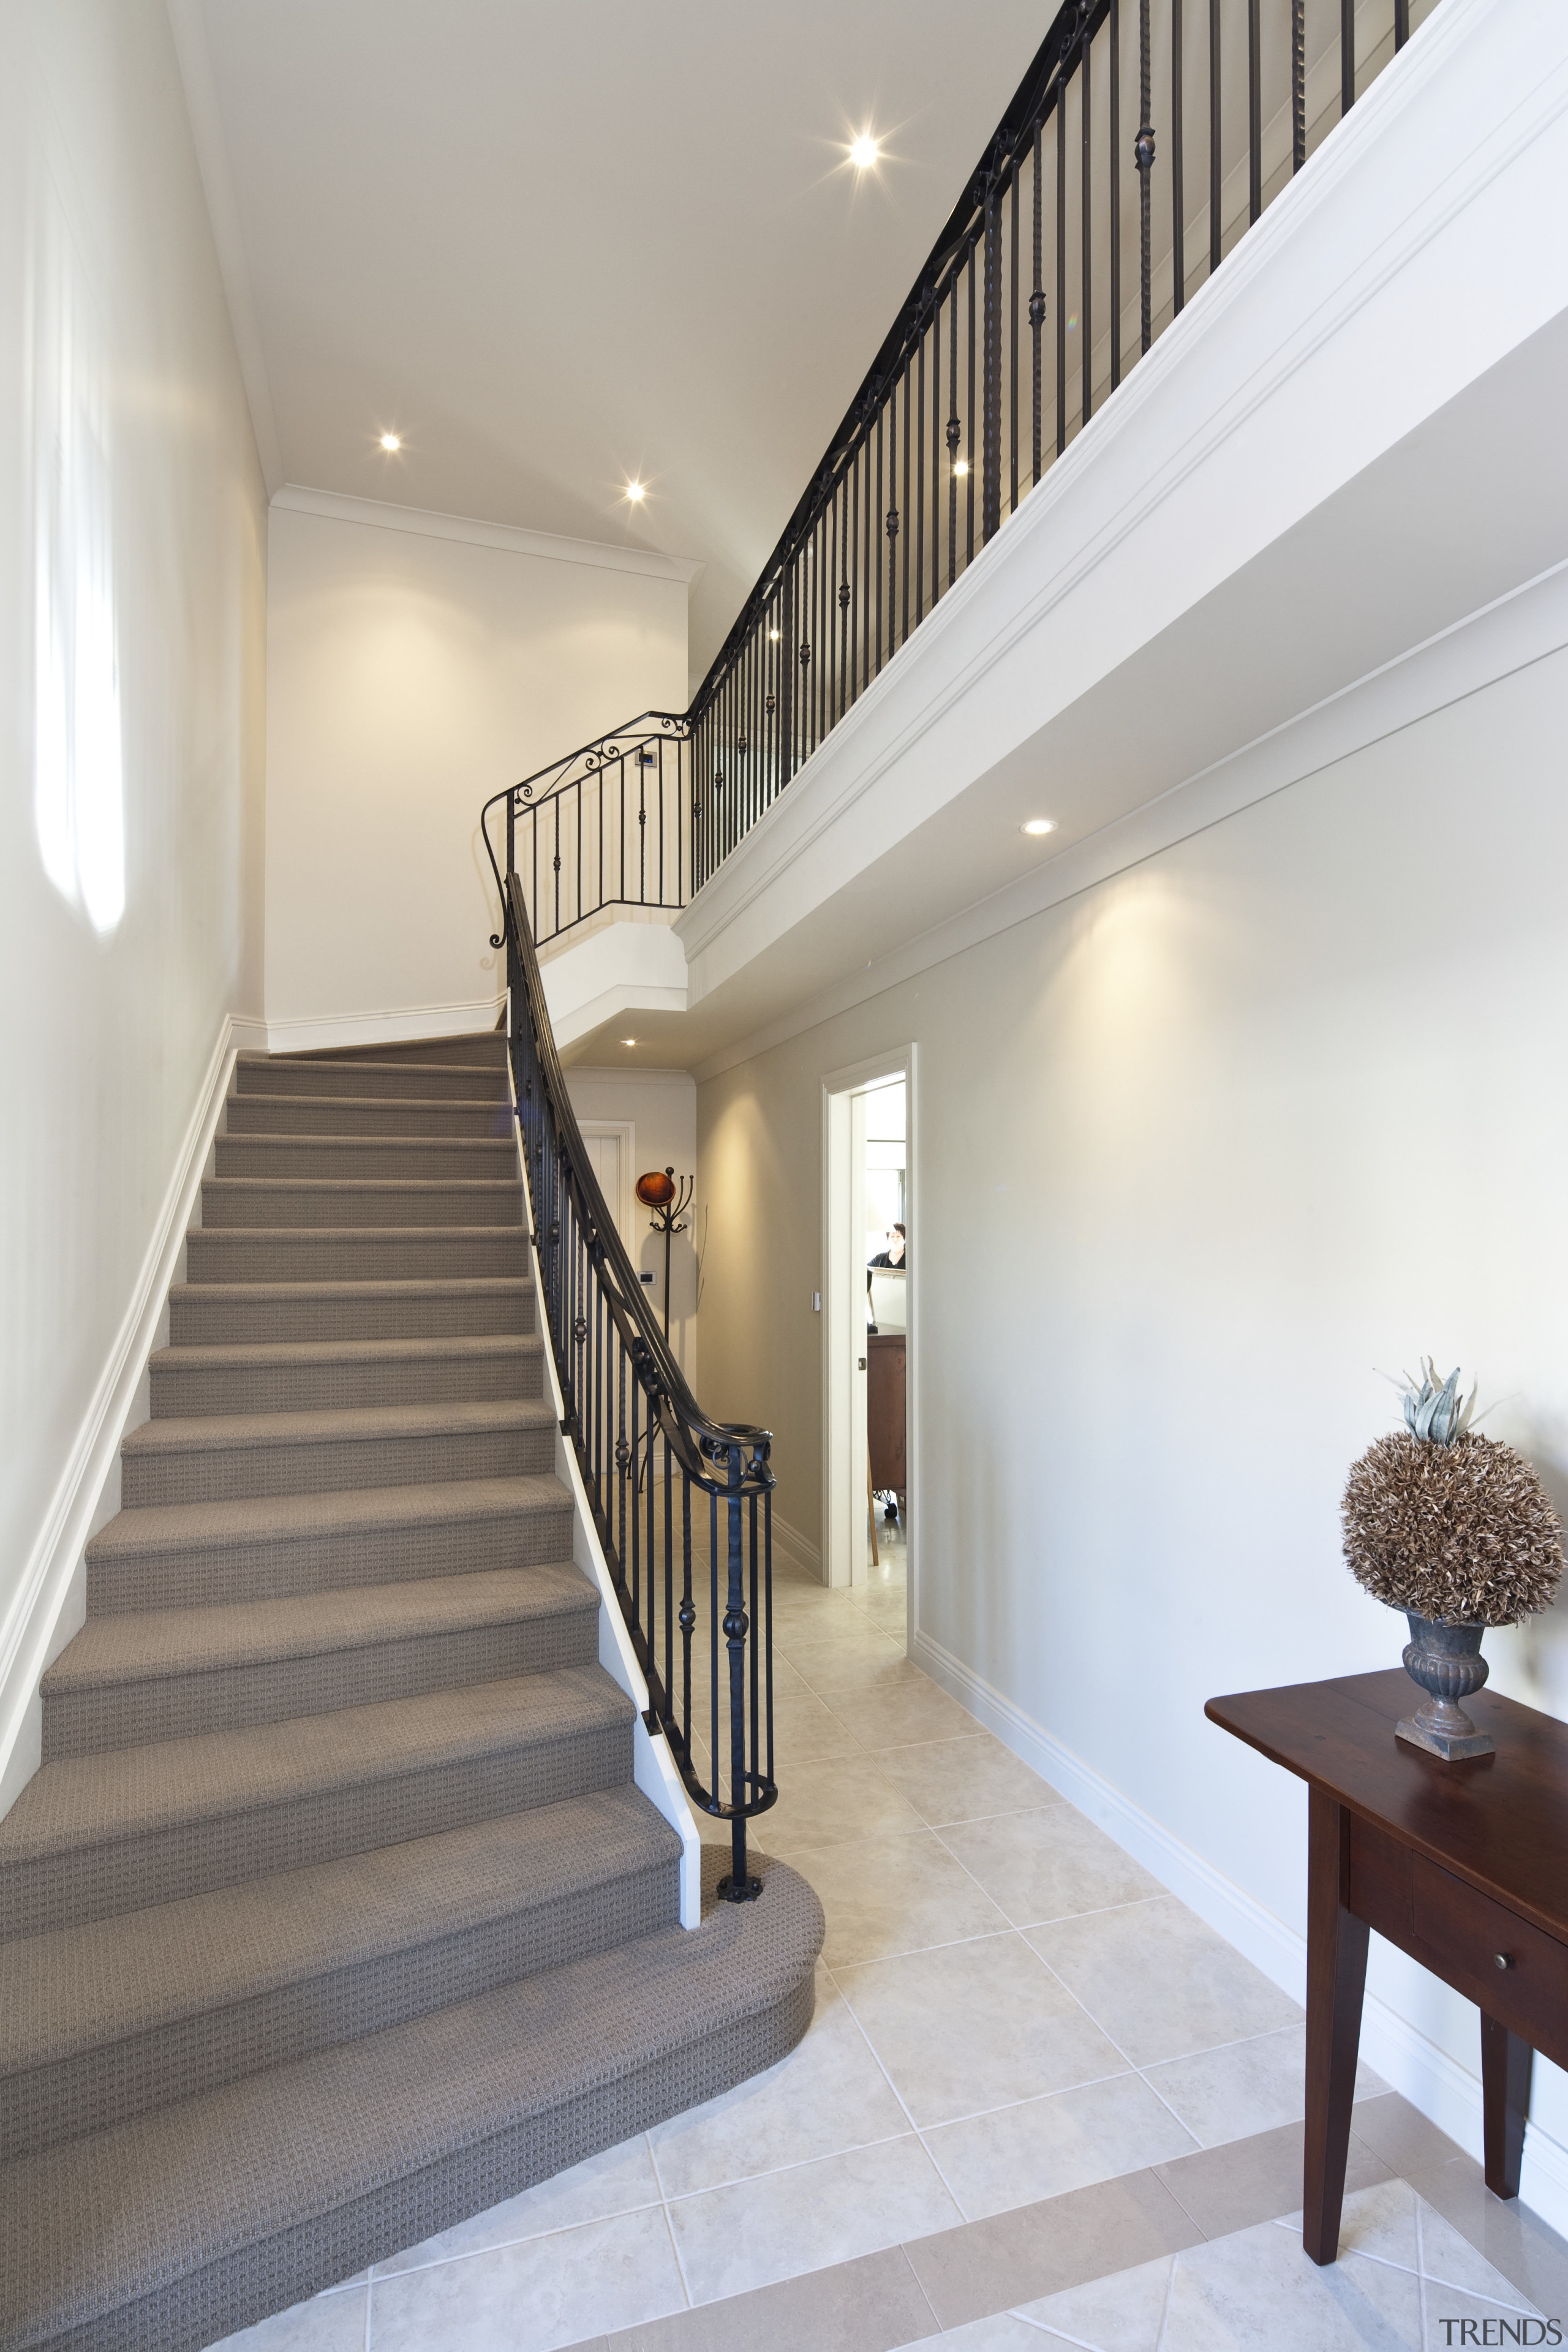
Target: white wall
x,y
131,652
410,677
661,1108
1193,1153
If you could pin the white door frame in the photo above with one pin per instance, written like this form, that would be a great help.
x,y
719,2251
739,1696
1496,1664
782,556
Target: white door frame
x,y
845,1519
620,1208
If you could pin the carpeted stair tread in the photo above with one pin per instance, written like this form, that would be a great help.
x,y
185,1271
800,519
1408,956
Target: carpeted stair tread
x,y
284,1075
370,1252
82,1801
316,1201
161,1641
286,1519
479,1117
273,1312
189,1554
212,1378
228,1432
476,1156
196,2218
105,2022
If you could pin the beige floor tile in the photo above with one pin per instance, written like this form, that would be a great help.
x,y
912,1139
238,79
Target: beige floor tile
x,y
804,1727
818,1651
836,1679
870,2304
1452,2261
1050,1865
1257,2292
785,2222
893,1895
1248,2086
1045,2146
902,1717
1161,1982
1002,2333
618,2181
974,2025
1244,2181
1043,2249
335,2321
828,2095
1515,2240
1124,2313
822,1804
1402,2134
964,1780
543,2292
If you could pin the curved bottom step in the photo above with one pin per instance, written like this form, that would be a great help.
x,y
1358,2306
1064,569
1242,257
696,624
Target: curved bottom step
x,y
163,2234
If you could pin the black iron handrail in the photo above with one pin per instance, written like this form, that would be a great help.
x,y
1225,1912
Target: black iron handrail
x,y
963,409
624,1396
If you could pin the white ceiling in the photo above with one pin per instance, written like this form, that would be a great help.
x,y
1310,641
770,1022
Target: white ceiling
x,y
555,247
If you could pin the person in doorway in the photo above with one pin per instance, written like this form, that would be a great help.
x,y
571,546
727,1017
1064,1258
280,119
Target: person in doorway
x,y
893,1254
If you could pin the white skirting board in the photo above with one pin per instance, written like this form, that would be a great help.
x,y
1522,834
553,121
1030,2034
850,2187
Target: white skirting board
x,y
796,1551
320,1033
50,1601
653,1766
1408,2061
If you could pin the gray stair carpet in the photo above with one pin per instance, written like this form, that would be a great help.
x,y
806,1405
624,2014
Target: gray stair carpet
x,y
333,1914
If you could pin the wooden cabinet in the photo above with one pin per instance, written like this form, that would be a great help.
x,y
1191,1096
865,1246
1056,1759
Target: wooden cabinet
x,y
885,1411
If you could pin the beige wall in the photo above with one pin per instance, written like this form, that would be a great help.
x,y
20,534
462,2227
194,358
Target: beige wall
x,y
1193,1154
133,592
661,1105
409,678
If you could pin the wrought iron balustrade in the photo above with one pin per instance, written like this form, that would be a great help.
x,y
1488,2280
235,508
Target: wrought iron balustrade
x,y
1144,142
682,1505
609,827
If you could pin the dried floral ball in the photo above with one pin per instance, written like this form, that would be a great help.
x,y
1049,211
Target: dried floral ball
x,y
1463,1534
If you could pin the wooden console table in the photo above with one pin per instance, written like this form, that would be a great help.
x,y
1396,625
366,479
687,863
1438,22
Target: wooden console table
x,y
1465,1866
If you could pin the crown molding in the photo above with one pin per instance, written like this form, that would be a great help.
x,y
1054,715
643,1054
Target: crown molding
x,y
422,523
210,144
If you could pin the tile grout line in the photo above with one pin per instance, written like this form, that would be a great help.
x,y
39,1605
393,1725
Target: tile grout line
x,y
877,2062
1166,2307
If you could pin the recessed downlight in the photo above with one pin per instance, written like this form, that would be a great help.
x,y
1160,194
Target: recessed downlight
x,y
863,152
628,1041
1038,824
636,492
960,466
392,443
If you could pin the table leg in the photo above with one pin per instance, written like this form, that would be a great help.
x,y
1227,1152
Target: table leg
x,y
1336,1978
1506,2063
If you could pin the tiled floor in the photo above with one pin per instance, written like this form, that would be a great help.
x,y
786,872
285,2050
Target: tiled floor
x,y
996,2127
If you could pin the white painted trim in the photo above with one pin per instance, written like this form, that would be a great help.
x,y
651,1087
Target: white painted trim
x,y
211,143
469,531
317,1032
1527,625
50,1601
801,1550
1444,2092
653,1766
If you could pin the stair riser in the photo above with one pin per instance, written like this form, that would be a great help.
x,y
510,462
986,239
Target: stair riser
x,y
458,1159
251,1203
236,2290
134,1714
209,1474
271,1319
429,1254
61,1890
387,1080
322,1115
208,1575
514,1371
99,2088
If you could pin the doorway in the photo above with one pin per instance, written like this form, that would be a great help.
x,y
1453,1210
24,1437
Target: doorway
x,y
868,1384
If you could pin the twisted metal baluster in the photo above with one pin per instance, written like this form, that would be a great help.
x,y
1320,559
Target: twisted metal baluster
x,y
1143,156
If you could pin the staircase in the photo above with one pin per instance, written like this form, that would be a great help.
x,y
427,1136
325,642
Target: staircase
x,y
333,1914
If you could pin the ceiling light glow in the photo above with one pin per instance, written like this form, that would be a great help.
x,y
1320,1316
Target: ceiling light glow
x,y
635,492
628,1041
772,637
392,443
961,467
863,152
1037,824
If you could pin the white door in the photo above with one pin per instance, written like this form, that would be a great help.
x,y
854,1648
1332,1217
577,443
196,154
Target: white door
x,y
609,1147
